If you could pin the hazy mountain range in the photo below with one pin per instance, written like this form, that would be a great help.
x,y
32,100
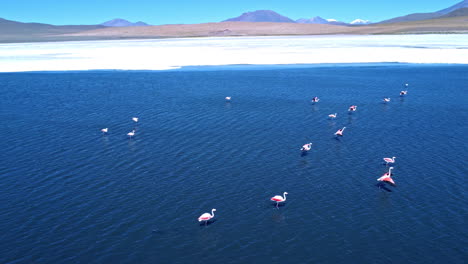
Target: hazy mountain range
x,y
453,19
119,22
425,16
271,16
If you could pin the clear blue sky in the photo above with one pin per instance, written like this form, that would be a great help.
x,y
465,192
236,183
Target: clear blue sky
x,y
156,12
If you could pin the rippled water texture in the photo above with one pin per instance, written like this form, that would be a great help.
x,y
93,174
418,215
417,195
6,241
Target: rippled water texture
x,y
72,195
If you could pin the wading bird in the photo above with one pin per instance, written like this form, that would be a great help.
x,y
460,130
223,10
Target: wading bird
x,y
387,177
206,216
389,160
306,147
132,133
340,132
279,199
352,108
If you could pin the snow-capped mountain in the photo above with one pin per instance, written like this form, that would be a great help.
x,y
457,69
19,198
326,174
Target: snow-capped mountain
x,y
314,20
360,22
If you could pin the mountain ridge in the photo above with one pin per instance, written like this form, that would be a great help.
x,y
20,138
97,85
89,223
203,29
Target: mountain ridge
x,y
425,16
260,16
120,22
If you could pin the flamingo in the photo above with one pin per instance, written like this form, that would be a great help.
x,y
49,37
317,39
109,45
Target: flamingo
x,y
206,216
279,199
332,115
135,119
228,98
389,160
403,93
315,99
387,176
340,132
131,134
104,130
386,99
306,147
352,108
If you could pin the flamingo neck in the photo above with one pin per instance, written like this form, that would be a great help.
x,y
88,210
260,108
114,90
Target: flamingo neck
x,y
284,196
212,213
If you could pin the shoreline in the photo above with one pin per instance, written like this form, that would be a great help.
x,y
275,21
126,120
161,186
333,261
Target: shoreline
x,y
260,67
170,54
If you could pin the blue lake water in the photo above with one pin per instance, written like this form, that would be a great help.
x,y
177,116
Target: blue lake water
x,y
72,195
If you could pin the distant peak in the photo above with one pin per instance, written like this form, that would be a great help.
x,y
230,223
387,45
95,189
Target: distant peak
x,y
314,20
360,22
120,22
261,16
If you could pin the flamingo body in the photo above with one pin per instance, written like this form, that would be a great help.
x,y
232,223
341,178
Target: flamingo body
x,y
332,115
228,98
387,179
131,134
279,199
135,119
306,147
386,99
206,216
104,130
340,132
387,176
389,160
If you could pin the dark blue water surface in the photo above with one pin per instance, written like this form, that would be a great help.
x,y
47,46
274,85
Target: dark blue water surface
x,y
72,195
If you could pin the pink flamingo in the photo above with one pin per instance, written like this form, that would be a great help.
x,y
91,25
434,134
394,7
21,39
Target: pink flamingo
x,y
340,132
306,147
279,199
403,93
332,115
132,133
315,99
135,119
104,130
206,216
386,99
228,98
387,176
389,160
352,108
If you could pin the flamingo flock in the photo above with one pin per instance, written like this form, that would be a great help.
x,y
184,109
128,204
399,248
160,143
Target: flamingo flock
x,y
129,134
386,177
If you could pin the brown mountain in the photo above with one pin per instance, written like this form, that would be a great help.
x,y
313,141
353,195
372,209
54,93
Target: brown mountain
x,y
13,31
261,16
425,16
